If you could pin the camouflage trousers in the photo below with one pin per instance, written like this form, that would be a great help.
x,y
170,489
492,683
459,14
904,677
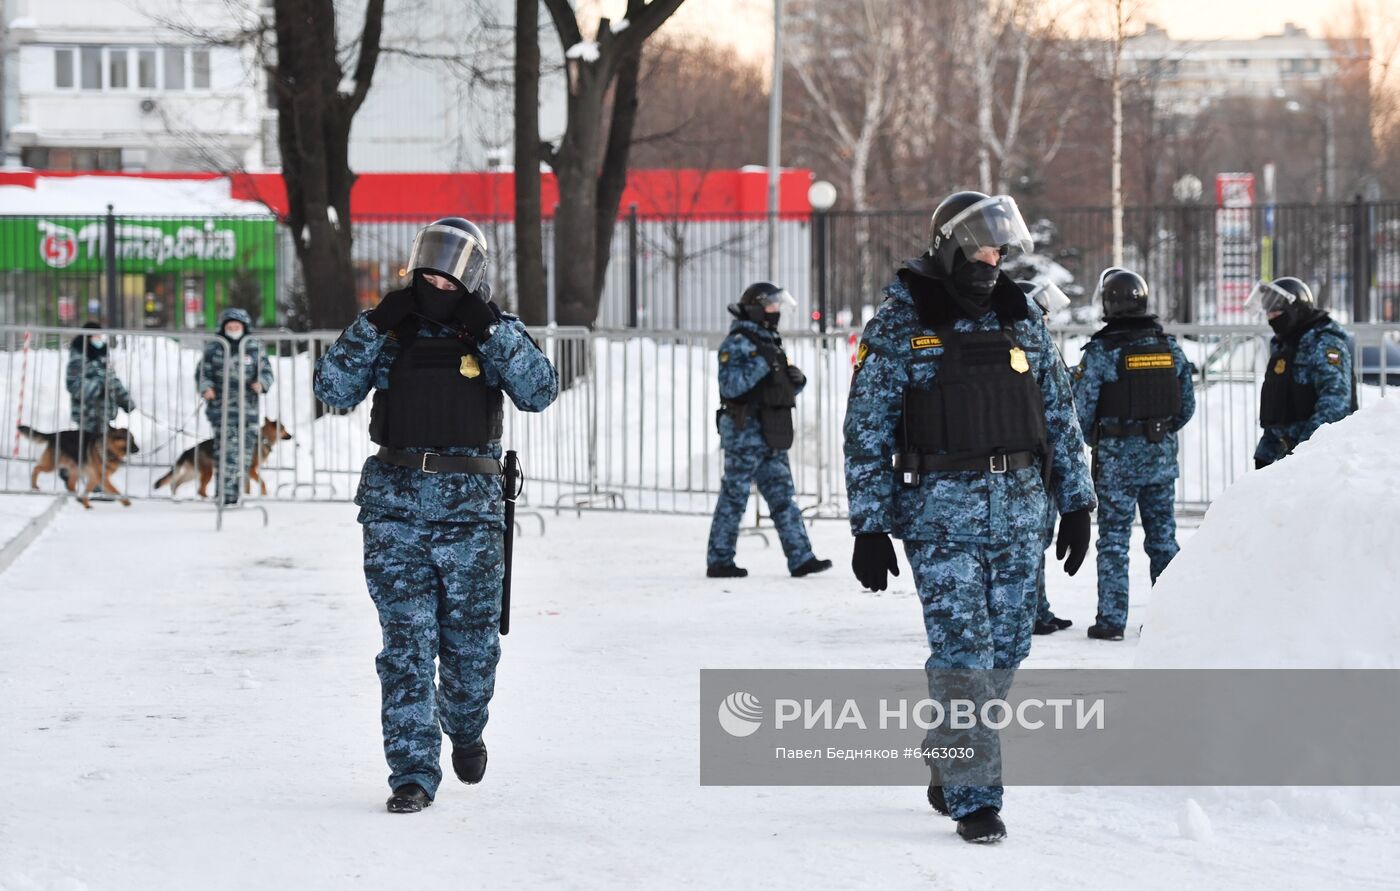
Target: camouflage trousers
x,y
1156,503
979,606
437,587
768,468
235,445
1043,613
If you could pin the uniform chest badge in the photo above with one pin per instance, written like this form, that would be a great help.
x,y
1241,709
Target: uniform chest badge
x,y
1280,366
469,367
1019,364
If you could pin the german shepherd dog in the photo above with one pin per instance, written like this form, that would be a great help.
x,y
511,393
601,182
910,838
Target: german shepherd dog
x,y
100,458
199,461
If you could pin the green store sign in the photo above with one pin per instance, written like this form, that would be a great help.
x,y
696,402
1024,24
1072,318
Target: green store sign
x,y
78,245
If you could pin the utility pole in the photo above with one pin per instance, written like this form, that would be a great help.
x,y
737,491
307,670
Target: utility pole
x,y
775,129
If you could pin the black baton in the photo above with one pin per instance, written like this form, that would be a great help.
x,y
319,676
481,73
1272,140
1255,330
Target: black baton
x,y
510,490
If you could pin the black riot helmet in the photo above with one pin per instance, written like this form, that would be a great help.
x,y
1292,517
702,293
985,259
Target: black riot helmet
x,y
967,221
454,247
756,302
1123,294
1288,295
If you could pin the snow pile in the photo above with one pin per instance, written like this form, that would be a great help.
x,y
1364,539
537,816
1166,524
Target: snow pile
x,y
59,195
587,50
1294,566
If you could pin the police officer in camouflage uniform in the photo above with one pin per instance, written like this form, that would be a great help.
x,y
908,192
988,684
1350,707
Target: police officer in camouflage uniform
x,y
956,417
94,390
759,390
439,356
1045,300
1308,381
234,368
1133,392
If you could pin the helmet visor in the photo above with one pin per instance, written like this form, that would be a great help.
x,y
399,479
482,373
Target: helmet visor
x,y
780,299
1049,297
450,251
994,222
1268,297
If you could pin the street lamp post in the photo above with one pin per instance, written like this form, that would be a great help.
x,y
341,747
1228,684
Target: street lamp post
x,y
822,195
775,129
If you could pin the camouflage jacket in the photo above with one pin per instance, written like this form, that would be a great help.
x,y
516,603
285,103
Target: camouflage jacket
x,y
359,362
1324,359
95,392
741,369
215,372
1129,460
896,353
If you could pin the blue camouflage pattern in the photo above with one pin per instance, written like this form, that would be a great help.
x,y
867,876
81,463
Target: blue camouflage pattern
x,y
748,459
95,392
359,362
437,587
433,551
968,506
1131,474
230,369
979,608
1333,383
972,537
1043,612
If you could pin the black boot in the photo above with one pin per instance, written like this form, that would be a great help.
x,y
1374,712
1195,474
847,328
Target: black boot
x,y
936,799
1103,632
469,762
408,799
982,826
811,566
726,571
1045,627
1062,624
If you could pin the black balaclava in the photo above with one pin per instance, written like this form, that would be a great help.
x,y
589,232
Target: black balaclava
x,y
435,303
972,284
1294,319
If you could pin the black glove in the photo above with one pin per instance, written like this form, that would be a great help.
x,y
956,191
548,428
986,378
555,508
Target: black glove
x,y
392,309
796,376
477,313
873,558
1073,539
1261,463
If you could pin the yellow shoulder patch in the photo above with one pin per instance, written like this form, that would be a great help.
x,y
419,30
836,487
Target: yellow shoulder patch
x,y
1334,356
861,353
1149,361
724,357
925,341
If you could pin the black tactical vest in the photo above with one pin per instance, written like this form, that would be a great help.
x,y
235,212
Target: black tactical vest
x,y
775,396
437,398
1147,388
1282,400
984,401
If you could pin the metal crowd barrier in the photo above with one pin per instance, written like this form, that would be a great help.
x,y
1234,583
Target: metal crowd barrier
x,y
634,426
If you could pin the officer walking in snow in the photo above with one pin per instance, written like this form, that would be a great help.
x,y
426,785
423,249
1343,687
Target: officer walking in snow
x,y
1308,381
759,390
956,413
235,368
1133,392
438,356
1045,300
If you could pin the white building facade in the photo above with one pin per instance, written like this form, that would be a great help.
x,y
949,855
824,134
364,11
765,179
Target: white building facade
x,y
116,86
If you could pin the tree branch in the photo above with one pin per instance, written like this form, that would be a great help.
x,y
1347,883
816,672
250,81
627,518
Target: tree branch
x,y
369,53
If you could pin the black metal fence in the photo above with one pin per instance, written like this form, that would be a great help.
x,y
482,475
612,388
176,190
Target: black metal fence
x,y
1201,261
680,272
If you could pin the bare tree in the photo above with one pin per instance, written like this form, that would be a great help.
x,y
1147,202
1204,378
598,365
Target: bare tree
x,y
591,161
529,242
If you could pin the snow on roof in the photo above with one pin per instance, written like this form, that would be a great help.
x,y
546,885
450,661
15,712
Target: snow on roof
x,y
129,195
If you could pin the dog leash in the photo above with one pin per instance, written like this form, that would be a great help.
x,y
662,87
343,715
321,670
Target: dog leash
x,y
177,430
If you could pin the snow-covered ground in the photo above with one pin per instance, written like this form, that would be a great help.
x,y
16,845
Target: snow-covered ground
x,y
16,511
186,709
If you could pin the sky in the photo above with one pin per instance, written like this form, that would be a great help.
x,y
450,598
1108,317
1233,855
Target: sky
x,y
747,24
